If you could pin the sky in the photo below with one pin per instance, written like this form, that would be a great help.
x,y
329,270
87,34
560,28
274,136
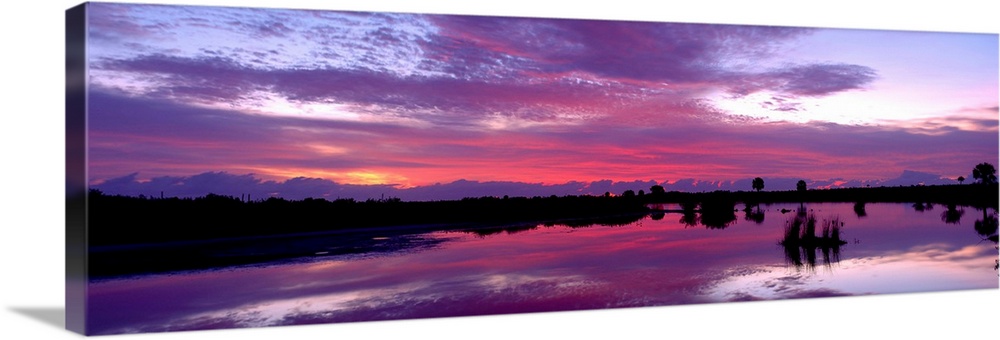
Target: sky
x,y
298,103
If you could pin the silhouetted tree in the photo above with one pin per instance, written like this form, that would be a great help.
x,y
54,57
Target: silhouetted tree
x,y
628,193
758,184
657,190
960,179
801,185
986,173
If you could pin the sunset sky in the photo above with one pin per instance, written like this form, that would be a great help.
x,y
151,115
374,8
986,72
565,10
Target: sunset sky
x,y
191,100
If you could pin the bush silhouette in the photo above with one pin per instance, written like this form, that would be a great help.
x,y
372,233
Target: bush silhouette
x,y
986,173
758,184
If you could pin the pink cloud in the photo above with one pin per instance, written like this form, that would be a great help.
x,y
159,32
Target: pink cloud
x,y
499,100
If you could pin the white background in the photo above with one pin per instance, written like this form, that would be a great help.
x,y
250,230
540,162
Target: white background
x,y
32,182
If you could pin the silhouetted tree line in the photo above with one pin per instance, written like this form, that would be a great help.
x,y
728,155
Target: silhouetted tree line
x,y
715,210
115,219
985,195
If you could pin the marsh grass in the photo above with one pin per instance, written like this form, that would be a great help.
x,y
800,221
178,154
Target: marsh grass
x,y
800,241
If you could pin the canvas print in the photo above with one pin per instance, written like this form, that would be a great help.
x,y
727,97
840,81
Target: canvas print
x,y
241,167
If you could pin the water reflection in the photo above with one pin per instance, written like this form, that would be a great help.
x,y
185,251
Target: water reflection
x,y
657,215
111,262
512,229
920,268
714,211
859,209
987,226
753,213
689,219
718,212
607,221
626,261
953,215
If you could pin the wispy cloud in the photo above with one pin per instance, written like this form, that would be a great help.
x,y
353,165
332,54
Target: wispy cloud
x,y
530,69
412,100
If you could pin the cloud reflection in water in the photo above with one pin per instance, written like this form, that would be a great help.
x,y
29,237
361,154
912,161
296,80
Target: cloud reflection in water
x,y
555,268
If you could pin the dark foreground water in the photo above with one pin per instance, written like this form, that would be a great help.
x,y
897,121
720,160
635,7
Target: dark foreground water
x,y
655,261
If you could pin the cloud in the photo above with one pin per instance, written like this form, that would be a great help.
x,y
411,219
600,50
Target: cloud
x,y
810,80
822,79
646,51
163,138
440,98
910,177
157,138
119,22
459,72
443,69
262,38
983,119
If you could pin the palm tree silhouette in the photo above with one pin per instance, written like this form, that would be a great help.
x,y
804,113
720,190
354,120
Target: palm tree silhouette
x,y
986,173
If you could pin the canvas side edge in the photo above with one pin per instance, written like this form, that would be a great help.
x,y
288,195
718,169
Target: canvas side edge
x,y
76,164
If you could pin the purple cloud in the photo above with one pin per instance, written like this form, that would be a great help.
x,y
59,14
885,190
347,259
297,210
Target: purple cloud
x,y
534,70
157,136
488,67
216,79
822,79
663,52
161,138
811,80
440,98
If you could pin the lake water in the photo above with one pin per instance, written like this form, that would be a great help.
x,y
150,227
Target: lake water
x,y
655,261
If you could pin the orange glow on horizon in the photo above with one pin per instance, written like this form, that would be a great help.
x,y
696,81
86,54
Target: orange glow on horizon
x,y
358,177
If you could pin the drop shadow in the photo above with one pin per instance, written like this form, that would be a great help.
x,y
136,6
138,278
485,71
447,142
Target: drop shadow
x,y
53,316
